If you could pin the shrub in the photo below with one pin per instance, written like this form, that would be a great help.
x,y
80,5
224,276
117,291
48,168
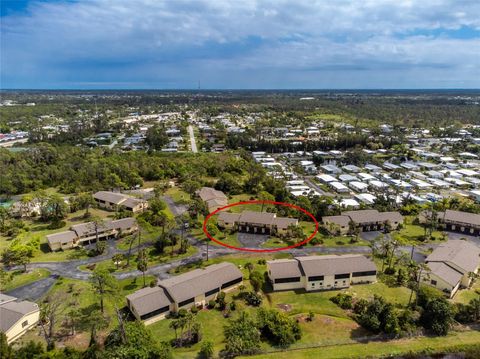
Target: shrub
x,y
311,316
182,313
212,304
262,262
194,310
206,350
153,283
343,300
389,270
253,298
57,224
233,306
221,300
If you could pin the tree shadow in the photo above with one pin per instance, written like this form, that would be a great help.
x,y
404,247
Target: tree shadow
x,y
132,285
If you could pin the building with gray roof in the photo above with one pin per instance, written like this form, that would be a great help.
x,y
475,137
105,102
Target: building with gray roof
x,y
213,198
87,232
451,265
17,317
321,272
366,220
256,222
115,201
194,288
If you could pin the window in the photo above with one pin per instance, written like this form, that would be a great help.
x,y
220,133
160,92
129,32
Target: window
x,y
155,312
342,276
232,282
364,274
433,282
24,324
287,280
315,278
210,292
185,302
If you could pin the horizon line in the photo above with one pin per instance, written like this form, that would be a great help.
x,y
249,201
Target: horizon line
x,y
248,89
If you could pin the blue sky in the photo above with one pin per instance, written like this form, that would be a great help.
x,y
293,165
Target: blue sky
x,y
248,44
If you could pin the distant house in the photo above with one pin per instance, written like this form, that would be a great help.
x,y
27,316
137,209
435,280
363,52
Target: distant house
x,y
451,264
256,222
115,201
16,316
213,198
86,232
184,291
366,220
321,272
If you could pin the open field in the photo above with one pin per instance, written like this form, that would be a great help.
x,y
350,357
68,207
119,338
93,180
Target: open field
x,y
350,349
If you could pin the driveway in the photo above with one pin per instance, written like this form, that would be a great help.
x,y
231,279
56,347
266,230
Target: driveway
x,y
34,291
176,209
250,240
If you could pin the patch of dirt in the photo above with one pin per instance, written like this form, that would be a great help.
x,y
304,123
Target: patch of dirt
x,y
326,320
285,307
301,318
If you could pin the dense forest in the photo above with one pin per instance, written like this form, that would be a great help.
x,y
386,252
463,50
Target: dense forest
x,y
77,169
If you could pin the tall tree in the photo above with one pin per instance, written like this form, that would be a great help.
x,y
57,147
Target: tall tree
x,y
104,284
142,263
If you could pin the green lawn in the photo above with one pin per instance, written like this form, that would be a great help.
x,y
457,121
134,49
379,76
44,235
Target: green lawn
x,y
178,195
390,348
37,231
411,233
153,259
19,278
466,295
331,323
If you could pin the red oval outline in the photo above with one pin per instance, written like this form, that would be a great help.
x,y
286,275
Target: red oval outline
x,y
260,250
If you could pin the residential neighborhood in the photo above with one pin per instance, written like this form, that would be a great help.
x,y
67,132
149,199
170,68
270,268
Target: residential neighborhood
x,y
217,179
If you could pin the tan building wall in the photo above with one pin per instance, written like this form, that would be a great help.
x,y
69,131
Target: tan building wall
x,y
290,286
440,284
24,324
365,279
328,282
343,229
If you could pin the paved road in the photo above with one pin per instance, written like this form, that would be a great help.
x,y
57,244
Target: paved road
x,y
176,209
34,291
14,142
193,144
317,188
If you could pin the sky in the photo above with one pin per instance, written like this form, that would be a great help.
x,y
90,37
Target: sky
x,y
240,44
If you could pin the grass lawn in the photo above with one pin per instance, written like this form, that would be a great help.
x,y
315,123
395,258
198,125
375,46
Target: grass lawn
x,y
79,294
37,231
411,233
379,349
331,324
153,259
19,278
466,295
179,196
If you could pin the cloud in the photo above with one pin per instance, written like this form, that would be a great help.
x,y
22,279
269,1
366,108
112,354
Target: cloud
x,y
242,43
